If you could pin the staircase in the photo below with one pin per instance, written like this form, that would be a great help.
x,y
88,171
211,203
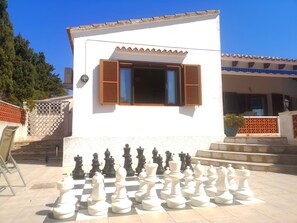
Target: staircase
x,y
38,150
272,154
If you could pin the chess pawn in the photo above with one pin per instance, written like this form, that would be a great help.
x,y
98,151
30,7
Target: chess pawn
x,y
120,202
188,189
165,192
141,160
231,179
151,202
168,158
95,165
210,187
223,196
140,194
96,202
65,207
106,165
199,198
188,161
175,199
183,161
243,192
160,169
155,155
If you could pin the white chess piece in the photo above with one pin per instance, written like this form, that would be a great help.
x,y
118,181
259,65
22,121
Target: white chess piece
x,y
223,196
243,192
97,204
231,179
65,207
210,187
165,192
199,197
175,199
120,202
142,189
189,186
151,202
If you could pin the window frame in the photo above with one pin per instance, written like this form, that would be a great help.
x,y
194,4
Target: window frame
x,y
188,83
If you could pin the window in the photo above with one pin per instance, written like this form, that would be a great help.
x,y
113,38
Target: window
x,y
141,83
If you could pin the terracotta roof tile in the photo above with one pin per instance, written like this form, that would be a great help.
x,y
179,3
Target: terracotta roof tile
x,y
243,56
144,20
148,50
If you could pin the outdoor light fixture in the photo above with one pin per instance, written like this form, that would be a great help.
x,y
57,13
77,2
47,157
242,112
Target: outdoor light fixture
x,y
84,78
286,105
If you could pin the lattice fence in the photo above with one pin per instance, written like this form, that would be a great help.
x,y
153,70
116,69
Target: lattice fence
x,y
295,125
260,125
46,119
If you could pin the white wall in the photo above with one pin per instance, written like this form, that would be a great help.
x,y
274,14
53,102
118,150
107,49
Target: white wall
x,y
259,85
97,127
21,133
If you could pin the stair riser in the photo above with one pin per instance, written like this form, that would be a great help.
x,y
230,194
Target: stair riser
x,y
257,140
267,158
281,149
288,170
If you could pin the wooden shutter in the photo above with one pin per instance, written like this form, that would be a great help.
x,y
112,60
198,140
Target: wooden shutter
x,y
192,85
109,82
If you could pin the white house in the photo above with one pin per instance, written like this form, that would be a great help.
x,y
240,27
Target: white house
x,y
150,82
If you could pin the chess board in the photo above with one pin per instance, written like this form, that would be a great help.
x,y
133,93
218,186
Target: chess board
x,y
83,188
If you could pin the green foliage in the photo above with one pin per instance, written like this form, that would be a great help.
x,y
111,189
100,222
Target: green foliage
x,y
233,120
24,74
6,53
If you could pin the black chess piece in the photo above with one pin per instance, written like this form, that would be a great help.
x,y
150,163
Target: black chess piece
x,y
183,163
155,155
141,160
130,171
189,161
160,169
128,161
78,172
106,165
110,172
168,158
95,165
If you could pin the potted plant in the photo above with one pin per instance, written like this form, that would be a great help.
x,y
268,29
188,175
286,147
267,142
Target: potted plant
x,y
232,123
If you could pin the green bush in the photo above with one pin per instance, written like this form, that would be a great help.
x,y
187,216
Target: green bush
x,y
233,120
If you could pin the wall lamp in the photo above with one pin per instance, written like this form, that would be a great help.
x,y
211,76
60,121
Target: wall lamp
x,y
84,78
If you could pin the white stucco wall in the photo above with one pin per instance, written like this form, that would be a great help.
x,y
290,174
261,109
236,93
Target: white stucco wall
x,y
259,85
97,127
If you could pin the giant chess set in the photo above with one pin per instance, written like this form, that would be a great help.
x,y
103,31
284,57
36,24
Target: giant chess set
x,y
152,187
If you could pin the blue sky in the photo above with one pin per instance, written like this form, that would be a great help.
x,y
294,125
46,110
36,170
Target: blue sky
x,y
253,27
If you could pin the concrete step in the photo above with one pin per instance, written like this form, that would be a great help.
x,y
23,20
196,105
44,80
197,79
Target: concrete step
x,y
267,167
255,148
249,157
37,150
265,140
